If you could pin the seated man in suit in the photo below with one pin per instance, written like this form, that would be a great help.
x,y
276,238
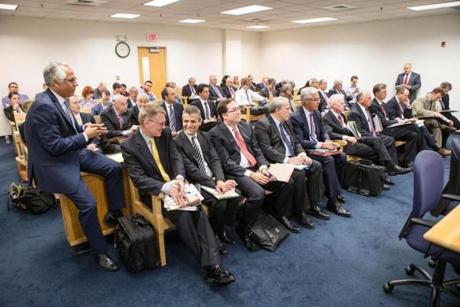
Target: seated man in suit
x,y
118,118
190,89
445,104
247,97
269,91
367,147
202,166
173,110
262,84
243,162
398,108
56,146
215,90
363,119
132,98
105,103
148,90
206,107
338,89
406,133
227,87
279,145
410,80
310,132
155,165
438,124
141,101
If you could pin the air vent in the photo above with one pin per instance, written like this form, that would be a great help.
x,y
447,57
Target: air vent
x,y
86,2
339,7
256,20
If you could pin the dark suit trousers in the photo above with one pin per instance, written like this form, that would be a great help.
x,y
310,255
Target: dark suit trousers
x,y
195,231
380,151
300,199
331,173
427,140
222,212
409,135
315,184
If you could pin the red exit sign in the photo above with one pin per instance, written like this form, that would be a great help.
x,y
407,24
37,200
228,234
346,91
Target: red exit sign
x,y
152,37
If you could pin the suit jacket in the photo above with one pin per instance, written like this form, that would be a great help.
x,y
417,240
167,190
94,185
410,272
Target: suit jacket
x,y
446,102
414,82
186,91
110,120
333,91
212,108
131,103
270,141
376,108
98,109
228,92
228,150
333,126
214,94
135,115
260,86
265,93
322,101
357,115
192,169
53,145
143,170
178,110
394,111
302,131
86,118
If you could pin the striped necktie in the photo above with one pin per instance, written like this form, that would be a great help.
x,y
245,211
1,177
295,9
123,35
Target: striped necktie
x,y
198,155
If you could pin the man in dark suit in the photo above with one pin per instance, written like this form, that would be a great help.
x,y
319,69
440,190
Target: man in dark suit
x,y
173,110
269,90
310,132
406,133
118,118
397,108
243,162
227,88
279,145
206,107
202,166
190,89
155,165
367,147
105,103
141,101
57,154
409,80
337,89
362,117
133,93
215,90
323,96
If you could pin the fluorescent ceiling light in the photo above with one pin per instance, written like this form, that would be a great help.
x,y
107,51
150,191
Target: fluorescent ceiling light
x,y
10,7
160,3
247,10
192,20
434,6
257,27
314,20
126,16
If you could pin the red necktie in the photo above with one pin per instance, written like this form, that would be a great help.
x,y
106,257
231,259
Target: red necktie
x,y
406,79
243,148
120,121
341,120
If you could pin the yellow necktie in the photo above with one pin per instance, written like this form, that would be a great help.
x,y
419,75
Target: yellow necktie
x,y
156,158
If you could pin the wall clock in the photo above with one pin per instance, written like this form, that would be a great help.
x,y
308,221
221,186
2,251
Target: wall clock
x,y
122,49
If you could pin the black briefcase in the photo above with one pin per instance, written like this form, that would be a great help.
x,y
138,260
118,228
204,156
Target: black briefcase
x,y
135,239
269,232
364,177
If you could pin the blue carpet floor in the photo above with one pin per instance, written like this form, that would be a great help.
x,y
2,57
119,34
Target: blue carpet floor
x,y
343,262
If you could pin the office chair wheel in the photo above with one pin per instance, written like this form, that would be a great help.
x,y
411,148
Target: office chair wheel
x,y
410,270
387,287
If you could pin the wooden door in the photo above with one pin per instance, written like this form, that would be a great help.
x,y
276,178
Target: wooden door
x,y
152,66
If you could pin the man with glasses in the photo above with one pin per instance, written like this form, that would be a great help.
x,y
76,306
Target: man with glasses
x,y
57,154
309,130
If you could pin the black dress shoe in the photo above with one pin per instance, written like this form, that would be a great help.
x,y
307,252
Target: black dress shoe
x,y
106,263
247,237
316,211
394,170
341,198
339,210
218,275
222,249
292,227
111,218
227,238
387,180
304,221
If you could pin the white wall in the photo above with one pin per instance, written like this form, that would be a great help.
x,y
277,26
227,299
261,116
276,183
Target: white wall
x,y
374,51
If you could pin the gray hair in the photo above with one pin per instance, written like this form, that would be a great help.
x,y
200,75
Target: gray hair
x,y
276,103
54,71
142,96
336,98
191,109
118,98
307,92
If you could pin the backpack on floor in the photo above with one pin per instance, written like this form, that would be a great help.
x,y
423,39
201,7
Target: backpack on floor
x,y
135,239
364,177
30,199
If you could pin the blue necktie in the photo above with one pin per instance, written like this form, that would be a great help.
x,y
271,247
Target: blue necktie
x,y
312,128
286,140
69,114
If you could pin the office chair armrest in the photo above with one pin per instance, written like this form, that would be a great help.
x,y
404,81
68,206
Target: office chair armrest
x,y
423,222
451,196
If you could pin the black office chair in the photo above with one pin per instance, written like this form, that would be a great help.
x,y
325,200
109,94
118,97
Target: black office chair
x,y
428,184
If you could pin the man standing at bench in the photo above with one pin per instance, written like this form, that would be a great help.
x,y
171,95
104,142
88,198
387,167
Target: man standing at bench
x,y
155,165
57,154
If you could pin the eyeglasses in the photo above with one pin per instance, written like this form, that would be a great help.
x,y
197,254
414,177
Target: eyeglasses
x,y
71,80
313,99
